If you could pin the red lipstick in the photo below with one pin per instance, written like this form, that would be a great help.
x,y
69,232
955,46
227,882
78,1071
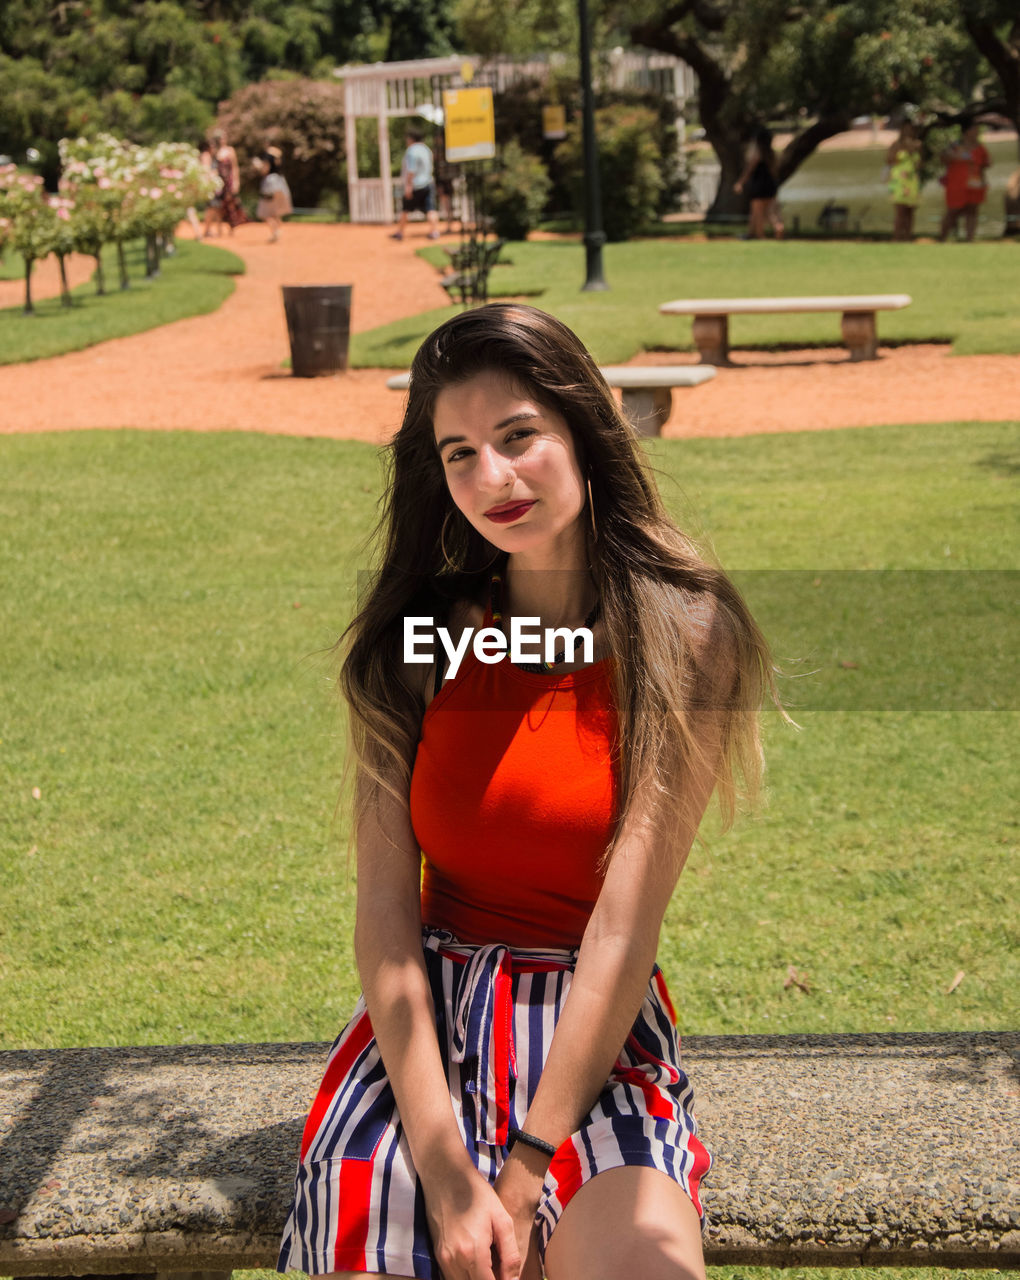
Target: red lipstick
x,y
508,512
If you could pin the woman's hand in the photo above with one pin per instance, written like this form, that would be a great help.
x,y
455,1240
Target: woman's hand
x,y
472,1233
519,1187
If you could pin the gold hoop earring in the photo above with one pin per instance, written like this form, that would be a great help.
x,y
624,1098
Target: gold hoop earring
x,y
454,568
452,565
591,512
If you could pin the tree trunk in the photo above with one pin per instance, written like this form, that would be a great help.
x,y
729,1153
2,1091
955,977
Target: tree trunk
x,y
724,126
29,308
100,283
730,150
125,283
65,292
1003,54
151,257
803,144
728,126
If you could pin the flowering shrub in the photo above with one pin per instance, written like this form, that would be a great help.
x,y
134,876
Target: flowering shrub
x,y
305,119
35,225
110,192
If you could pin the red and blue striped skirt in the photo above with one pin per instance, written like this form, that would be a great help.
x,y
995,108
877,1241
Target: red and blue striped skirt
x,y
358,1205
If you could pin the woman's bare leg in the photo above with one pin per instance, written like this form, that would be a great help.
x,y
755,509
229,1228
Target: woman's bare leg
x,y
627,1222
949,223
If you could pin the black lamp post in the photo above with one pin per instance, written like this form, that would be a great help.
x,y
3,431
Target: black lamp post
x,y
594,236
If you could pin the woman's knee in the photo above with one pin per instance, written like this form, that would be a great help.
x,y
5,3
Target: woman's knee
x,y
627,1222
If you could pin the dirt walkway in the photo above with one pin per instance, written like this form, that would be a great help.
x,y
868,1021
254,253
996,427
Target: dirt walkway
x,y
224,371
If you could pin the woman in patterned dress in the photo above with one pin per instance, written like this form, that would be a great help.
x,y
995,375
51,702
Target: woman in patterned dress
x,y
508,1099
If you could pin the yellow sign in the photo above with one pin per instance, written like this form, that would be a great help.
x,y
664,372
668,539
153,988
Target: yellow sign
x,y
470,127
554,122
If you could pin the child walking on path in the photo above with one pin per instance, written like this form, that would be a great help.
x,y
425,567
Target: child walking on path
x,y
275,201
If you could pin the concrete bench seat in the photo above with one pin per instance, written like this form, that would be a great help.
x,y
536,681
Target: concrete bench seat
x,y
892,1150
711,318
646,390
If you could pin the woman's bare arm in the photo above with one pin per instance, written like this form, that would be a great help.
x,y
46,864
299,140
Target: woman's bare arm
x,y
611,976
466,1218
752,160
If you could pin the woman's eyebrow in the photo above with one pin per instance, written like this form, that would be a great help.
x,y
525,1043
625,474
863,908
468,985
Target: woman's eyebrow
x,y
524,416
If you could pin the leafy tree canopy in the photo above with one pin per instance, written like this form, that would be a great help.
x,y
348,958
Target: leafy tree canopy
x,y
813,64
155,69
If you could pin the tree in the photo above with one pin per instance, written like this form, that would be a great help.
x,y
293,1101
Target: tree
x,y
994,26
31,221
816,63
149,70
521,30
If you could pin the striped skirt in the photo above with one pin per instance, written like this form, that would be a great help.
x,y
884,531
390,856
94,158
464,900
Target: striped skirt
x,y
358,1205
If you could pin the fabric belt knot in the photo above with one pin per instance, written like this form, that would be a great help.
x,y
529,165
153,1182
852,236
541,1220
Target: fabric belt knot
x,y
484,1021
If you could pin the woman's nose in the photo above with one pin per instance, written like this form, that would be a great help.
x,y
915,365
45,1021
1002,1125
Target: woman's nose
x,y
494,469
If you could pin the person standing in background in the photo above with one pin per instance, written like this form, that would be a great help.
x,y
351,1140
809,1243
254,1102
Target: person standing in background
x,y
225,202
965,183
904,161
419,190
761,183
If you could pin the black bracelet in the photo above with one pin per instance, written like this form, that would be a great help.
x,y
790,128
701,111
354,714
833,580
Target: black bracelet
x,y
529,1140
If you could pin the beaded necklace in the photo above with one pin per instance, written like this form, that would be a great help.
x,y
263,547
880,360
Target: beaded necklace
x,y
496,610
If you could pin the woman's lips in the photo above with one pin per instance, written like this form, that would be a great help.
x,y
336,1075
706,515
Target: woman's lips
x,y
509,513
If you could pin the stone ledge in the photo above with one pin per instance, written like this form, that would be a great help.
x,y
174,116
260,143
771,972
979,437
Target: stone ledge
x,y
890,1150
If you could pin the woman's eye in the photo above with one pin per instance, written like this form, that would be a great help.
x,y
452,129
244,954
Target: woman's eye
x,y
521,433
456,454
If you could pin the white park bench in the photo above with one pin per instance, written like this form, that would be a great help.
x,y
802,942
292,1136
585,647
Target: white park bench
x,y
647,390
711,318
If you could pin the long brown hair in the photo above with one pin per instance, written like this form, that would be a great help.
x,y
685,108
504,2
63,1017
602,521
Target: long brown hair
x,y
682,638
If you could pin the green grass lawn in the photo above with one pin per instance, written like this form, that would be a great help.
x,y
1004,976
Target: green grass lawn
x,y
195,280
172,867
169,748
962,294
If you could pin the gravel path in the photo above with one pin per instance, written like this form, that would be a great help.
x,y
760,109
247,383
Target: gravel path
x,y
225,371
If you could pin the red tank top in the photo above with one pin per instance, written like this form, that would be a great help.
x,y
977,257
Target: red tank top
x,y
513,802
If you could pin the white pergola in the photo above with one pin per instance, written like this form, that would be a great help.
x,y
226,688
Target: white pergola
x,y
388,89
385,90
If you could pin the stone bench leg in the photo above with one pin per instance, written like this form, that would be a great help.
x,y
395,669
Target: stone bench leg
x,y
647,408
860,334
712,338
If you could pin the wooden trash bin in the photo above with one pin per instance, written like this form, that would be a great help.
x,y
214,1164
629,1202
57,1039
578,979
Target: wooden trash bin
x,y
319,327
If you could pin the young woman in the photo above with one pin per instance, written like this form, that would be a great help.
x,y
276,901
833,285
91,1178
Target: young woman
x,y
966,163
508,1098
760,180
225,206
903,160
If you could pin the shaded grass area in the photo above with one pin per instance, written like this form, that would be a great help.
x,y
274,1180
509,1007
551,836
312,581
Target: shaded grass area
x,y
961,294
853,179
180,876
194,281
